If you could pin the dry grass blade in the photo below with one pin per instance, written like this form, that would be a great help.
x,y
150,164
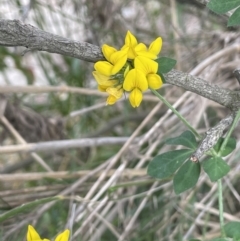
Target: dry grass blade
x,y
100,153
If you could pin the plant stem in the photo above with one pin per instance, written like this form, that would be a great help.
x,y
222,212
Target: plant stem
x,y
220,194
220,206
235,121
27,206
185,122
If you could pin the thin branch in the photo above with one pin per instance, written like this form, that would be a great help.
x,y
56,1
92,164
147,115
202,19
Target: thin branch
x,y
30,176
48,89
63,144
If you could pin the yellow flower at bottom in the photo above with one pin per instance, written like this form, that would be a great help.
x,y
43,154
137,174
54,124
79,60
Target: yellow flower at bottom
x,y
32,235
64,236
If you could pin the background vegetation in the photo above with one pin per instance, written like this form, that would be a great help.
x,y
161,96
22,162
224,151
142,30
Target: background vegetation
x,y
121,203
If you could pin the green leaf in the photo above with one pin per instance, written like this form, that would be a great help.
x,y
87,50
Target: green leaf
x,y
185,139
231,145
234,20
165,64
164,165
194,240
186,177
215,167
232,230
223,6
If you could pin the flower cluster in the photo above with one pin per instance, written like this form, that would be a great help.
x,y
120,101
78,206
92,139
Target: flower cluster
x,y
132,69
32,235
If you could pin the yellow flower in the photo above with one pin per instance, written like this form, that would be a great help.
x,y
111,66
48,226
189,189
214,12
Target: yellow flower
x,y
139,49
32,235
135,82
149,68
115,61
130,69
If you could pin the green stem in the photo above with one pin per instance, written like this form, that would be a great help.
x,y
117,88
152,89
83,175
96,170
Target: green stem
x,y
220,194
27,207
236,119
220,206
185,122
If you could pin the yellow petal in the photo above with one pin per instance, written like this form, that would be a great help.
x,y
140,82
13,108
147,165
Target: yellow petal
x,y
64,236
146,54
135,79
116,92
154,81
156,46
108,51
141,50
118,59
111,100
102,88
135,97
32,234
130,39
100,78
103,79
103,67
146,65
140,47
130,44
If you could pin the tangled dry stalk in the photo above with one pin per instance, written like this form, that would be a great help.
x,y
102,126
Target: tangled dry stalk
x,y
94,207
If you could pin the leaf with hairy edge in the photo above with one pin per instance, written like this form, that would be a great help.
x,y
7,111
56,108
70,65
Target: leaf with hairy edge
x,y
223,6
185,139
165,64
234,20
164,165
186,177
216,168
